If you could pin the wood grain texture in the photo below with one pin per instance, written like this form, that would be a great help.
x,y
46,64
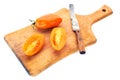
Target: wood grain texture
x,y
48,56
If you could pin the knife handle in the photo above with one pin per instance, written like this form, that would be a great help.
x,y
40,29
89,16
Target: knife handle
x,y
80,42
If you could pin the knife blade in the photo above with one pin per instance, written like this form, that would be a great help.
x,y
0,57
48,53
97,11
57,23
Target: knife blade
x,y
76,29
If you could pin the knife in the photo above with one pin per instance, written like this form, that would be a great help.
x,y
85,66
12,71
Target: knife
x,y
76,29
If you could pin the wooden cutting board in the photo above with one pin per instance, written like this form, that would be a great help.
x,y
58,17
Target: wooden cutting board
x,y
48,56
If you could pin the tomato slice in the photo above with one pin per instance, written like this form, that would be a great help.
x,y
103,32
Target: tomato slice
x,y
33,44
58,38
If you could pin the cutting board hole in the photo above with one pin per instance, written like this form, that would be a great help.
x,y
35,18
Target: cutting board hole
x,y
103,10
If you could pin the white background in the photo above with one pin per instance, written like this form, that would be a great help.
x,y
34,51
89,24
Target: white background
x,y
102,60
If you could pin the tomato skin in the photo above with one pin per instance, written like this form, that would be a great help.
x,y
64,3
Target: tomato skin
x,y
58,38
47,21
33,44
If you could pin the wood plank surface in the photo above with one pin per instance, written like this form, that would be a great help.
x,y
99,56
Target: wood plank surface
x,y
48,56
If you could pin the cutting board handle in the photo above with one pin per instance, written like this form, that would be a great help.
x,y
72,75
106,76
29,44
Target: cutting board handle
x,y
100,14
